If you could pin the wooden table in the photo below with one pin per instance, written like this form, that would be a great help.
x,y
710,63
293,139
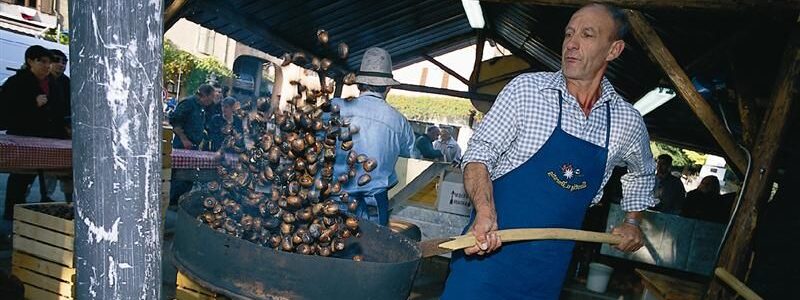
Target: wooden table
x,y
666,287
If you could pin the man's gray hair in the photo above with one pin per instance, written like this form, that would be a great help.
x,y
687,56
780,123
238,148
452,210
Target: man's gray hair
x,y
620,19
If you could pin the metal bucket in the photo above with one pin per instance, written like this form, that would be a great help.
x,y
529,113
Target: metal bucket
x,y
242,270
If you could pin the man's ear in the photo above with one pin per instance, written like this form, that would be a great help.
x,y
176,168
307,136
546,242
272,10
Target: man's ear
x,y
615,50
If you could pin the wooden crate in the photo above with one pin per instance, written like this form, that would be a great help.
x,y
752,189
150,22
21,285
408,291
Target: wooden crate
x,y
187,289
43,255
166,147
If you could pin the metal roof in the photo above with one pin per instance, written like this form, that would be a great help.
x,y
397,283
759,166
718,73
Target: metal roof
x,y
409,28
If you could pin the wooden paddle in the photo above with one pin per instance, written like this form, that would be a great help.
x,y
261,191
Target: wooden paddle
x,y
438,246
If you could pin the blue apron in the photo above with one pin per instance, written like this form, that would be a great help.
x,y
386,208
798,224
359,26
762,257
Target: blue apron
x,y
552,189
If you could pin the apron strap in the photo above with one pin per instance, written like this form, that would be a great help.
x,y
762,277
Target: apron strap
x,y
608,123
560,100
608,117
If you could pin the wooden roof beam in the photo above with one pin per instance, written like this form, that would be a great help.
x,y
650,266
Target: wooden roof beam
x,y
736,253
446,92
173,13
480,41
445,68
674,4
247,22
655,48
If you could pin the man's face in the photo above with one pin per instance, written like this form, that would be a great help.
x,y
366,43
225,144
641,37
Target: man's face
x,y
434,134
444,135
589,43
40,67
58,66
207,100
228,111
217,95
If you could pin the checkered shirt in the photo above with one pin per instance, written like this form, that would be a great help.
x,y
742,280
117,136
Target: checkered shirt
x,y
526,113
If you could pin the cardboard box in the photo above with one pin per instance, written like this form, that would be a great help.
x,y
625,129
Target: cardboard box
x,y
451,195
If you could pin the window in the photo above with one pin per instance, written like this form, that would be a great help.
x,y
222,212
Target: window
x,y
27,3
205,41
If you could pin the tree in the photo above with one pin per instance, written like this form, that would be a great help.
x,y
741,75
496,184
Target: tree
x,y
193,71
202,70
177,61
52,34
680,157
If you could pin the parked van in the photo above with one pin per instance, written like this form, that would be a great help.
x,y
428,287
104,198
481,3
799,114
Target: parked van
x,y
12,51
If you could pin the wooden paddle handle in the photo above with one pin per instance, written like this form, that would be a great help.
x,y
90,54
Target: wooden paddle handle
x,y
736,285
530,234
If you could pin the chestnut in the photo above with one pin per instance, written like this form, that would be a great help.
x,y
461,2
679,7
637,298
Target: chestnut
x,y
370,164
364,179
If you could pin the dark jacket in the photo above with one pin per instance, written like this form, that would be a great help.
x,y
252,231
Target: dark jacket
x,y
62,110
191,116
424,145
19,113
215,127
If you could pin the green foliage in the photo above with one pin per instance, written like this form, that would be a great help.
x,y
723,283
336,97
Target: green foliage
x,y
194,71
680,157
52,35
176,61
431,107
202,71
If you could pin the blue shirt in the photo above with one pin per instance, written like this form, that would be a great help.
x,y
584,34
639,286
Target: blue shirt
x,y
384,134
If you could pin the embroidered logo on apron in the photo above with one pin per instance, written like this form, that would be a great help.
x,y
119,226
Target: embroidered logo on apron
x,y
570,176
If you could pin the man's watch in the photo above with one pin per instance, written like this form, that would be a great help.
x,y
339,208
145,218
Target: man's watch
x,y
633,221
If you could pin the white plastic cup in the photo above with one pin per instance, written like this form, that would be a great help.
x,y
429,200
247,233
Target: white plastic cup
x,y
599,275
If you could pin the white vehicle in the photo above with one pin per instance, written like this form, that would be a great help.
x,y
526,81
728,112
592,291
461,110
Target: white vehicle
x,y
12,51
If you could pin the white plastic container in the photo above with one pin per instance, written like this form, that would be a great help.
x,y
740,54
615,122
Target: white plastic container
x,y
599,274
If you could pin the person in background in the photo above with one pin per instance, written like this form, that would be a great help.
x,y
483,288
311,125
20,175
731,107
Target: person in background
x,y
62,116
384,135
219,123
706,203
189,125
669,189
424,144
26,104
214,109
447,145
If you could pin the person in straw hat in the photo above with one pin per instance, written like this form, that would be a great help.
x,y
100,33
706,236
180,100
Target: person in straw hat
x,y
383,134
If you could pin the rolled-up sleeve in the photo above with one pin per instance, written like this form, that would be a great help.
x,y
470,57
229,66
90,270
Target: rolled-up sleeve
x,y
496,131
638,183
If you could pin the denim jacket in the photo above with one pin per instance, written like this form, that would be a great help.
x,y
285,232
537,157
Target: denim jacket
x,y
384,134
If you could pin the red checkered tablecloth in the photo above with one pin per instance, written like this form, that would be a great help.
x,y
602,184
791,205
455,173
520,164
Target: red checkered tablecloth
x,y
24,152
32,153
191,159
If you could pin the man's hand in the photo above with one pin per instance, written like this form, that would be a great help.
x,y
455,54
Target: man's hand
x,y
484,228
41,100
479,189
631,237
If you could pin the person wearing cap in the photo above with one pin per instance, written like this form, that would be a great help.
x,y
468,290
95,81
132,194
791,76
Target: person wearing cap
x,y
62,116
383,134
447,145
25,109
541,157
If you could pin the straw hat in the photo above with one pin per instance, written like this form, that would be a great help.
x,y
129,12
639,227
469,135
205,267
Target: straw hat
x,y
376,68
